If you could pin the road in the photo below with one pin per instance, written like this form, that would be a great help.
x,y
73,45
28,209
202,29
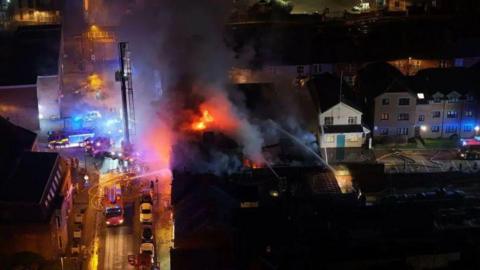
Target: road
x,y
119,244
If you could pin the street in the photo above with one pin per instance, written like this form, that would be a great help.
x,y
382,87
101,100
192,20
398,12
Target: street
x,y
118,244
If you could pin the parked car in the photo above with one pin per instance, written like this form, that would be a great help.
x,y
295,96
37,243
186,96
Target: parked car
x,y
147,234
75,249
146,213
148,248
78,219
77,233
146,198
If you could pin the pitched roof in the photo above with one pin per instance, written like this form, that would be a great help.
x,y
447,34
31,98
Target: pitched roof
x,y
343,129
31,51
446,80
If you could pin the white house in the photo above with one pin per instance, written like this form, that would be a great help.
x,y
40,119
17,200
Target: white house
x,y
341,127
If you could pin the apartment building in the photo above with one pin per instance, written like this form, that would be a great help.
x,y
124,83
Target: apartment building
x,y
404,113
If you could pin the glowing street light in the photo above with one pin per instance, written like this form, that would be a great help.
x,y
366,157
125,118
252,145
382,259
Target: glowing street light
x,y
423,128
477,128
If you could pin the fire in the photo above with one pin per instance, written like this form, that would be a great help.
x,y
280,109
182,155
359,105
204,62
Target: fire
x,y
203,121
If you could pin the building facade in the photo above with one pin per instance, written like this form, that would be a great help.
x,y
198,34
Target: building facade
x,y
342,127
406,114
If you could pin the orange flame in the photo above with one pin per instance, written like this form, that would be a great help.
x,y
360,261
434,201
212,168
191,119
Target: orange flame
x,y
201,124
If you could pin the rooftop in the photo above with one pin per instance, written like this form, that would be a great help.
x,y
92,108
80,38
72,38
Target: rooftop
x,y
27,182
31,51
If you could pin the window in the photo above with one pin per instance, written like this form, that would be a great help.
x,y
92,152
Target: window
x,y
468,113
435,129
451,129
57,219
328,120
437,100
403,101
452,114
453,100
385,101
384,131
300,69
403,117
467,128
397,4
384,116
352,120
330,138
353,139
402,131
470,98
316,69
436,114
421,118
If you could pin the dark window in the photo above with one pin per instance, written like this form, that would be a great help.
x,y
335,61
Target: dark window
x,y
397,3
402,131
437,100
470,98
468,113
328,120
385,101
403,117
451,129
384,131
403,101
421,118
436,114
57,219
435,129
452,114
300,69
384,116
352,120
453,100
467,128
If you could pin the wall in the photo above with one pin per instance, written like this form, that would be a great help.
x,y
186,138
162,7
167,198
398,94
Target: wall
x,y
393,109
351,140
48,92
19,104
340,113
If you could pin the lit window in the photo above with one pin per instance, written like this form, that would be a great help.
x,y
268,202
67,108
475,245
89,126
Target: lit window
x,y
352,120
421,118
384,116
403,101
403,117
328,120
467,128
452,114
330,138
353,139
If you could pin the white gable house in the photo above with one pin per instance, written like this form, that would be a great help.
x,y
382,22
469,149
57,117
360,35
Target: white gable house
x,y
341,127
